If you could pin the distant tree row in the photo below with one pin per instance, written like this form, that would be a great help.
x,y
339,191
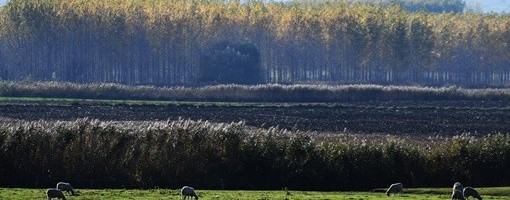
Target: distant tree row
x,y
436,6
176,42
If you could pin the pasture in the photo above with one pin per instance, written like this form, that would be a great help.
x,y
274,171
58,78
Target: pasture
x,y
154,194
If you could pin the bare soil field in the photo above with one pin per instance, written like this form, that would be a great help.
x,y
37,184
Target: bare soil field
x,y
399,118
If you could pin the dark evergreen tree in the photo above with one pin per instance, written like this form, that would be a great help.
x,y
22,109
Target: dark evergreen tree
x,y
227,63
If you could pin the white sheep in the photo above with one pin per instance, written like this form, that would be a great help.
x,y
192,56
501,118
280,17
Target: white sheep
x,y
458,194
65,187
395,188
471,192
457,186
188,191
55,193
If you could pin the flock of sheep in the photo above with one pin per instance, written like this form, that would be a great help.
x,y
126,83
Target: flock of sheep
x,y
62,187
459,192
58,192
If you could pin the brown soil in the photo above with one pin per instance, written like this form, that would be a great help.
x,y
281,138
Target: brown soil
x,y
424,118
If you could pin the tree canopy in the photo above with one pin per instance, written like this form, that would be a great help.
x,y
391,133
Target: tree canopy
x,y
165,42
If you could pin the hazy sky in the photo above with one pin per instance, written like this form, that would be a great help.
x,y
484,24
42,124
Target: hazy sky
x,y
485,5
494,5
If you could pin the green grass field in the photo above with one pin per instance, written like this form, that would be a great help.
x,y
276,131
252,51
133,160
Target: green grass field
x,y
420,194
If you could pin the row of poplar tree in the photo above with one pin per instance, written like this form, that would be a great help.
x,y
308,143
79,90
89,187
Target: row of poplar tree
x,y
192,42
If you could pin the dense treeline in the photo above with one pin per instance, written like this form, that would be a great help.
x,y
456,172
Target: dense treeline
x,y
244,93
162,42
233,156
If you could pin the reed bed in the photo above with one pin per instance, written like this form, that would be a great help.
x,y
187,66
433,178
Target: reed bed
x,y
244,93
168,154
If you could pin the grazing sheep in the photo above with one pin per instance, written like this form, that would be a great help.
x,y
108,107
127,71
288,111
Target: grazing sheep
x,y
471,192
457,186
65,187
55,193
188,191
395,188
458,194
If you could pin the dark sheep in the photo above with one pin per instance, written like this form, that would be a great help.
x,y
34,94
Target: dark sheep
x,y
458,195
55,193
471,192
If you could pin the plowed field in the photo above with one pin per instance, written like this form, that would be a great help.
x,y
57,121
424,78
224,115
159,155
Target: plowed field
x,y
424,118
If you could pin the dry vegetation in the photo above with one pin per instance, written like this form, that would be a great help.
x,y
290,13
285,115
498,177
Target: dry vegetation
x,y
243,93
173,153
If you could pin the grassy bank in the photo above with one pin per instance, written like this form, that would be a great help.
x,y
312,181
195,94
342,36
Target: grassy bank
x,y
415,194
